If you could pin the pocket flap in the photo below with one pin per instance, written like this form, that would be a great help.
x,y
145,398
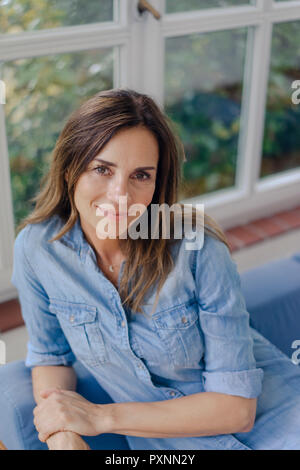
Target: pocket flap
x,y
178,317
72,312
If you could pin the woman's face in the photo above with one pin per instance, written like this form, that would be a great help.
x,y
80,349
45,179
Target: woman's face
x,y
126,167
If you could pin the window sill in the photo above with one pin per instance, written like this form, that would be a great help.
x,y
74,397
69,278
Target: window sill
x,y
261,229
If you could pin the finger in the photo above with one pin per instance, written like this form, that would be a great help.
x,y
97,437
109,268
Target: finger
x,y
41,437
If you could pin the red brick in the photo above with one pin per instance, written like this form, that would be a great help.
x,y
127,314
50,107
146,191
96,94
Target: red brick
x,y
292,218
268,226
245,235
10,315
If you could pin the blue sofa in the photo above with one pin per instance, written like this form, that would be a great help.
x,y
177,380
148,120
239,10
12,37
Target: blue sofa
x,y
272,294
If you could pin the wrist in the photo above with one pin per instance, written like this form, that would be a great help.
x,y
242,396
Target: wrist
x,y
105,418
66,440
58,437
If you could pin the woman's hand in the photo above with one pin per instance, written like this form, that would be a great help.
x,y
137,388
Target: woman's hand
x,y
63,410
66,441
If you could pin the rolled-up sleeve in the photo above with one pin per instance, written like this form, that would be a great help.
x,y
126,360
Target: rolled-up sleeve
x,y
47,343
230,366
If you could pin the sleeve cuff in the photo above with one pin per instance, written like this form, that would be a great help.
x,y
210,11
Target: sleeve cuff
x,y
34,359
244,383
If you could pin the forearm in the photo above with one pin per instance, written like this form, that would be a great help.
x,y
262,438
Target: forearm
x,y
64,377
200,414
44,377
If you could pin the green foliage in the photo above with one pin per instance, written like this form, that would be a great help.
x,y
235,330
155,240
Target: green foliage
x,y
188,5
281,143
29,15
203,95
41,94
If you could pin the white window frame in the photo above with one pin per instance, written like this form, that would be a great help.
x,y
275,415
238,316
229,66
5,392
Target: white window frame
x,y
139,64
251,198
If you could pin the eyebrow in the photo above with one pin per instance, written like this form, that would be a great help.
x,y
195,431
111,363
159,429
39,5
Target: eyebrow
x,y
113,164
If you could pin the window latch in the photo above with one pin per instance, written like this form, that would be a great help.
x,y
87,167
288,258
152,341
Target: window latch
x,y
143,5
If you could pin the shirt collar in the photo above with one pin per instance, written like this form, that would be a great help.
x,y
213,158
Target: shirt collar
x,y
74,237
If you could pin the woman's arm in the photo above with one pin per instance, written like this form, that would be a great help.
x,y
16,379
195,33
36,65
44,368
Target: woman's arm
x,y
63,377
44,377
199,414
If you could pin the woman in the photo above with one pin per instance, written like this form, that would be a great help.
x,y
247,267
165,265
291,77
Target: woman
x,y
163,328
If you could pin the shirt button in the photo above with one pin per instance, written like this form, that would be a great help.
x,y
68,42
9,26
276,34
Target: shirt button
x,y
184,319
71,318
172,393
123,323
140,366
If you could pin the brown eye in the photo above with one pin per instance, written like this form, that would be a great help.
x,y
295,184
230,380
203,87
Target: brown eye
x,y
101,169
144,176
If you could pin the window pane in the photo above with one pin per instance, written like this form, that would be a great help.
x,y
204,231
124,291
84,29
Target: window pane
x,y
28,15
40,94
174,6
281,145
203,90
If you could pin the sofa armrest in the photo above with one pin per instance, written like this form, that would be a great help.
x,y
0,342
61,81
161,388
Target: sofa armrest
x,y
272,294
17,431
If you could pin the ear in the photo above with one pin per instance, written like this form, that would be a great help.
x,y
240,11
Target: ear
x,y
67,175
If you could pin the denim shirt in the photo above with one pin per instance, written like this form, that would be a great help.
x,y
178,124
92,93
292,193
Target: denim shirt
x,y
198,339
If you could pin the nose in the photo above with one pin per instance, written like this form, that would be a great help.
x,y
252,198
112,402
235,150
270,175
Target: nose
x,y
117,187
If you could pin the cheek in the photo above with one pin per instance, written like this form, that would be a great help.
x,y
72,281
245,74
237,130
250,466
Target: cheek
x,y
146,194
86,190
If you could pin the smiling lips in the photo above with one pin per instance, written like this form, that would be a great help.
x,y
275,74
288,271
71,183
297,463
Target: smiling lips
x,y
106,213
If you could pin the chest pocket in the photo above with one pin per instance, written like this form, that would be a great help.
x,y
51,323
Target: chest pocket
x,y
81,327
178,329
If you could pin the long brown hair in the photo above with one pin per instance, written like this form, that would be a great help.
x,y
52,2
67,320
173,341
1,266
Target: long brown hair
x,y
84,135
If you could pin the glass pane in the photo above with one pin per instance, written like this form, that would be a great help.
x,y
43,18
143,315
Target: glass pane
x,y
203,91
174,6
281,144
28,15
40,94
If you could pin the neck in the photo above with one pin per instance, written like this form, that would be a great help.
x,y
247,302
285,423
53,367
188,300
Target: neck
x,y
108,249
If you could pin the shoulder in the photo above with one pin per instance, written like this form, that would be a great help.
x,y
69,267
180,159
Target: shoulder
x,y
213,248
34,236
206,245
205,253
214,261
27,251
